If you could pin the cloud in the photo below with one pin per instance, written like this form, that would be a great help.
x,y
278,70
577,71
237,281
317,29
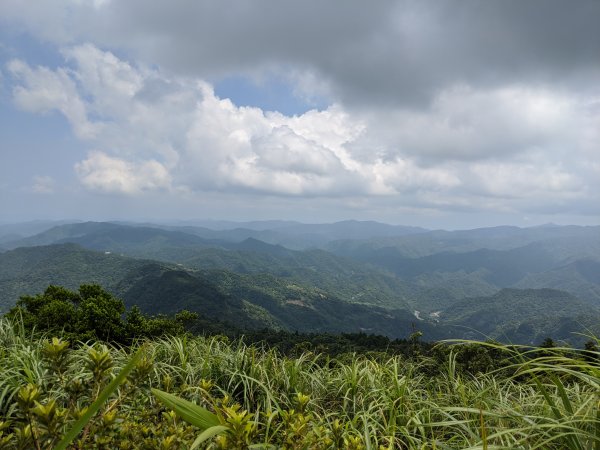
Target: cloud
x,y
43,90
464,123
151,131
383,55
43,185
514,147
107,174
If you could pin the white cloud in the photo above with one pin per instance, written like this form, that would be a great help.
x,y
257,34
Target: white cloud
x,y
463,123
510,147
112,175
512,180
43,90
43,185
111,83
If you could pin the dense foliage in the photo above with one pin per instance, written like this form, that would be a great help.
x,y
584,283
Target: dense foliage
x,y
91,313
260,398
385,282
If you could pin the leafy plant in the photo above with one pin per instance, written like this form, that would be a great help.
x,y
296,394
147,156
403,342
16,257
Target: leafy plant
x,y
214,393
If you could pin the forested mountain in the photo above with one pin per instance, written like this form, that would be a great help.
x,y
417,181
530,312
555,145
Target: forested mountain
x,y
342,277
482,261
14,231
298,235
564,241
395,278
30,270
254,301
580,277
523,315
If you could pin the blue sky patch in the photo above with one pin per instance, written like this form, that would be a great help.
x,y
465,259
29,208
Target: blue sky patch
x,y
270,94
16,45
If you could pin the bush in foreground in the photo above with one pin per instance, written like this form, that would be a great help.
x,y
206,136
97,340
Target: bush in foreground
x,y
264,400
92,313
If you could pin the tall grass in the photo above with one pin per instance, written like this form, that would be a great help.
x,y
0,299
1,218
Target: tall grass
x,y
544,400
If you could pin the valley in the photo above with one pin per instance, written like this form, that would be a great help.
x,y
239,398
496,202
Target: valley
x,y
510,284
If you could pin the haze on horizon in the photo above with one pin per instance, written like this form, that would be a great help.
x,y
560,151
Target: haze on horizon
x,y
428,113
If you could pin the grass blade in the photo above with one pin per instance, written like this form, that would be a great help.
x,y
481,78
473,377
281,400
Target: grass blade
x,y
207,434
104,395
190,412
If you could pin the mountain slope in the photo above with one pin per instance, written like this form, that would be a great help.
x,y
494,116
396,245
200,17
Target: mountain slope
x,y
503,267
470,263
580,277
564,241
251,301
344,278
367,285
300,236
522,316
29,270
256,300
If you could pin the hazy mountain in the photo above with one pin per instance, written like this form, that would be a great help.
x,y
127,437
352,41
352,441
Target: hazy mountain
x,y
502,267
380,284
255,301
296,235
257,225
565,241
523,316
10,237
15,231
455,265
581,277
344,278
59,233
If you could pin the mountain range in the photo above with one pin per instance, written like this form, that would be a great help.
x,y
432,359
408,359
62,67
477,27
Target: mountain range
x,y
507,283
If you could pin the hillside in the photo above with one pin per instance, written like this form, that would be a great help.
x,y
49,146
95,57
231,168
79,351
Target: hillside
x,y
30,270
256,300
523,316
470,263
363,286
15,231
428,282
340,277
564,241
247,301
580,277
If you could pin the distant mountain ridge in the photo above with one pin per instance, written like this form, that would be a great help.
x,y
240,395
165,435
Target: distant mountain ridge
x,y
246,301
523,315
313,267
384,280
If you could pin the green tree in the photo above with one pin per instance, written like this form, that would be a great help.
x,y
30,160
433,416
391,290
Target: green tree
x,y
91,313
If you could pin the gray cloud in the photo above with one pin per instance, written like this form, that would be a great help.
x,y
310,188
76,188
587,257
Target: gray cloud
x,y
473,149
382,53
435,105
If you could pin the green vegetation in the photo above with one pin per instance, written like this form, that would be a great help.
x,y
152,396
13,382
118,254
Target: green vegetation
x,y
28,270
525,316
253,299
80,368
91,313
473,284
250,301
252,397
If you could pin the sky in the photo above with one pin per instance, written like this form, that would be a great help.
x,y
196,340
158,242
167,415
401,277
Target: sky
x,y
437,113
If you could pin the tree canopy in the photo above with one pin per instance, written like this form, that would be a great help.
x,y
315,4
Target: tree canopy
x,y
92,313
